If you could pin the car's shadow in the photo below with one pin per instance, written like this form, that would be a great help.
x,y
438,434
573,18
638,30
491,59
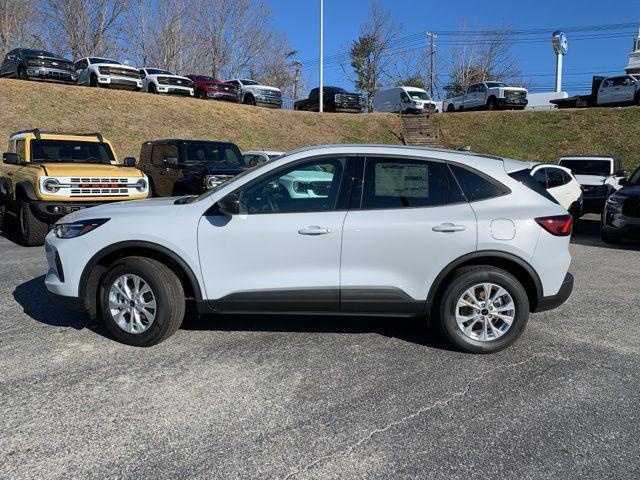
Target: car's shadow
x,y
32,297
586,232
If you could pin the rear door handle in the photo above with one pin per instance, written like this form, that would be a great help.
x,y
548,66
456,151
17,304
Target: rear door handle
x,y
314,230
448,227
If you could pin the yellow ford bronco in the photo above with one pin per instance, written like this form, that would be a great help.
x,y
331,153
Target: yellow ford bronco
x,y
45,175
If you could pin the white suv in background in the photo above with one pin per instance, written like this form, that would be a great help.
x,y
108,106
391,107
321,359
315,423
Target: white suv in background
x,y
251,92
156,80
464,239
104,72
562,185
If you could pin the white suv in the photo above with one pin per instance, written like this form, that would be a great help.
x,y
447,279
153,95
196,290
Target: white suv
x,y
464,239
104,72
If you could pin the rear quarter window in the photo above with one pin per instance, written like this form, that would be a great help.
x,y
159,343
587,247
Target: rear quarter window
x,y
525,178
477,186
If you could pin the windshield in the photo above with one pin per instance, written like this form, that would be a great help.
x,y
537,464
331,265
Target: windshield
x,y
214,155
495,84
588,167
204,78
634,179
40,53
249,82
103,60
70,151
418,95
336,90
157,71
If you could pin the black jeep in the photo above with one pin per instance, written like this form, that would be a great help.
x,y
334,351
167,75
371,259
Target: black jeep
x,y
189,167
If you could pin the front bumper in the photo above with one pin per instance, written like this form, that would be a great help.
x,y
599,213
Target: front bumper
x,y
120,82
509,103
51,74
554,301
51,212
348,109
231,97
174,90
616,222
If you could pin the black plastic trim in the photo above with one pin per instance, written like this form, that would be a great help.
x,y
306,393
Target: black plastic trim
x,y
73,303
379,300
27,188
554,301
297,300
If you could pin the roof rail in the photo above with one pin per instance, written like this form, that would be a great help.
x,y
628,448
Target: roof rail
x,y
38,134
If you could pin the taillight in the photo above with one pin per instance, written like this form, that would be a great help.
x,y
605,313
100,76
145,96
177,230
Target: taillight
x,y
558,225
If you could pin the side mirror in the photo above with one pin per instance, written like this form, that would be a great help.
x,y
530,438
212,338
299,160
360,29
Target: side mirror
x,y
229,205
129,161
621,173
12,158
171,161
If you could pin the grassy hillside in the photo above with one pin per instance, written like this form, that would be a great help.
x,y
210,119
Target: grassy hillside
x,y
546,135
130,118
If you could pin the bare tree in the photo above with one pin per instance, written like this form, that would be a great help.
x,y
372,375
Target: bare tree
x,y
83,27
370,54
16,21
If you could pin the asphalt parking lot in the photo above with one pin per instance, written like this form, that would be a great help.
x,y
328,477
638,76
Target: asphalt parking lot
x,y
323,398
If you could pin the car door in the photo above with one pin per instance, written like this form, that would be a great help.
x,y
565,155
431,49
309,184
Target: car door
x,y
282,253
470,97
314,100
412,223
82,71
606,92
165,168
627,90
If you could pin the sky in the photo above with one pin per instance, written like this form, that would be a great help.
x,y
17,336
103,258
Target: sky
x,y
607,54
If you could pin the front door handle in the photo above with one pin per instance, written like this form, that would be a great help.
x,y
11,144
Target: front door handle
x,y
448,227
314,230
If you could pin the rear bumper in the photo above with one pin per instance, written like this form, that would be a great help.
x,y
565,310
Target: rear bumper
x,y
554,301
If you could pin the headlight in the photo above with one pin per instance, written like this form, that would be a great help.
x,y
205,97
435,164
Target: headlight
x,y
51,185
141,185
77,229
616,199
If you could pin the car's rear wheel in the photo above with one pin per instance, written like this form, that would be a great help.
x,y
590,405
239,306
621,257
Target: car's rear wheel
x,y
31,231
610,238
142,301
484,309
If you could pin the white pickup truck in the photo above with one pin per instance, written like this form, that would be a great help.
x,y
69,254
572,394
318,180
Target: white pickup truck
x,y
488,96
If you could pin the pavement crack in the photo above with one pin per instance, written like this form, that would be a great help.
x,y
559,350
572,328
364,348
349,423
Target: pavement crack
x,y
436,404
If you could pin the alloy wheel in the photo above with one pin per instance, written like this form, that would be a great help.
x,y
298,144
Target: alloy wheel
x,y
132,303
485,312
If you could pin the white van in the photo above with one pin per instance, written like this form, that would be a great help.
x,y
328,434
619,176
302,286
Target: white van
x,y
403,100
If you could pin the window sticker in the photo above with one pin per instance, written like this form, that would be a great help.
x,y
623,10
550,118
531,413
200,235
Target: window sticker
x,y
401,180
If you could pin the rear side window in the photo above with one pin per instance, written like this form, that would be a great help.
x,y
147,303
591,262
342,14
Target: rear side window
x,y
475,186
406,183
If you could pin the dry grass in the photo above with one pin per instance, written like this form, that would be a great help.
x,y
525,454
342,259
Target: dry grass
x,y
130,118
546,135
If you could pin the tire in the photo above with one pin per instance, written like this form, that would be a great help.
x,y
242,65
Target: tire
x,y
637,100
165,289
451,108
492,104
93,81
202,95
575,210
31,231
462,281
2,215
610,238
249,100
151,88
22,73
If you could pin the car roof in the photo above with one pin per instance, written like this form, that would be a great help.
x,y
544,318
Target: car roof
x,y
589,157
266,152
185,140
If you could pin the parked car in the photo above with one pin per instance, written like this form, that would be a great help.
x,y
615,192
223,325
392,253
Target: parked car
x,y
489,96
104,72
189,167
46,175
621,214
254,93
155,80
29,64
335,99
317,231
253,158
208,87
561,185
615,91
599,177
404,100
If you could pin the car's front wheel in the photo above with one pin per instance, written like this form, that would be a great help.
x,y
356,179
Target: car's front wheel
x,y
31,230
610,238
142,301
484,309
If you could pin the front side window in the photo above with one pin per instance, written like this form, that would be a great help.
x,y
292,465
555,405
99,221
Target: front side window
x,y
475,186
312,186
405,183
68,151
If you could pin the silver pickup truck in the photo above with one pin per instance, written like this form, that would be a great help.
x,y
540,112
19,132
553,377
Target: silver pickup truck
x,y
488,96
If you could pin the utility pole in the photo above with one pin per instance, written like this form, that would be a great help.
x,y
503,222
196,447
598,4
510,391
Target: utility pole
x,y
297,64
432,53
321,86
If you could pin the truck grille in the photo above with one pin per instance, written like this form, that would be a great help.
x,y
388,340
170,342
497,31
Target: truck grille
x,y
96,187
120,72
594,190
515,97
174,81
270,94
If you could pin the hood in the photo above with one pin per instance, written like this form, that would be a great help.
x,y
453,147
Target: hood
x,y
117,66
630,191
131,207
591,179
265,87
514,89
88,169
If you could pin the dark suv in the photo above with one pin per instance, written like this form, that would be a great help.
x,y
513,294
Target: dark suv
x,y
621,214
27,64
189,167
334,99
